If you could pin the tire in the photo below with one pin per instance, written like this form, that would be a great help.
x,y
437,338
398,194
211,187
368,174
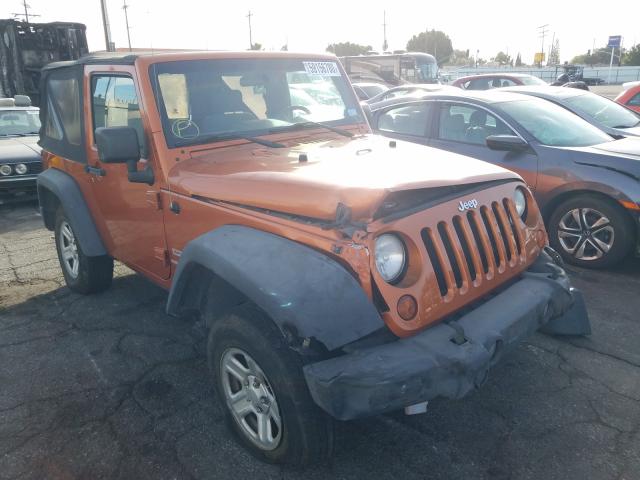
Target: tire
x,y
82,274
591,232
305,433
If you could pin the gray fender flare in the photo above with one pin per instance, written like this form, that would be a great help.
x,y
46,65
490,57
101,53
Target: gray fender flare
x,y
300,289
53,182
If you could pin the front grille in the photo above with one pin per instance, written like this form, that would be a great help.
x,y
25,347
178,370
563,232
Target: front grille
x,y
470,248
34,168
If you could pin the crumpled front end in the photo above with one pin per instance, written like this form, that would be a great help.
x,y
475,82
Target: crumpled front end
x,y
454,357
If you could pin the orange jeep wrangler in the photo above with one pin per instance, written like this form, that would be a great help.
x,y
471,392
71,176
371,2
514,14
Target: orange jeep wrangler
x,y
340,274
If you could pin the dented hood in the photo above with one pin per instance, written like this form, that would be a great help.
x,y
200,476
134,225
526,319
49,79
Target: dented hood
x,y
358,173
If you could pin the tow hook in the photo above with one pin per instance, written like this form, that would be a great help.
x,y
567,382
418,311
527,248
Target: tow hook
x,y
416,408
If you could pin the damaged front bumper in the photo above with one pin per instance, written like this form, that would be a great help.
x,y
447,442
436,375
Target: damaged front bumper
x,y
436,362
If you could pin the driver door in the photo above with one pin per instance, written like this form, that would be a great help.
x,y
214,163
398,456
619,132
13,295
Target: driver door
x,y
130,218
463,128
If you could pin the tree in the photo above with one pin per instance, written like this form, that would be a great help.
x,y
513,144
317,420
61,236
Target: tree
x,y
345,49
632,57
600,56
502,58
554,54
435,42
461,58
518,60
256,46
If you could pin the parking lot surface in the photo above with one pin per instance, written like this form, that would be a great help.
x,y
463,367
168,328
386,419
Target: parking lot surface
x,y
108,386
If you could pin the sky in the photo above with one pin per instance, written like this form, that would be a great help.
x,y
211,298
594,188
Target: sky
x,y
487,27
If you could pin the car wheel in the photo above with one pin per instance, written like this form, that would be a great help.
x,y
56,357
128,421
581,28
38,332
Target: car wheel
x,y
82,274
261,387
590,232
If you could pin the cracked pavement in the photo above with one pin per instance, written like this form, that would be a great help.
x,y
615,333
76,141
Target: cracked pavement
x,y
107,386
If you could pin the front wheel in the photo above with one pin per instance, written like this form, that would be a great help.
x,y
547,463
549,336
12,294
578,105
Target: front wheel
x,y
590,232
263,392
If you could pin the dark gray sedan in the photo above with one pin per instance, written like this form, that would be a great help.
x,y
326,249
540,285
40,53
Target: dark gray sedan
x,y
586,183
609,116
20,160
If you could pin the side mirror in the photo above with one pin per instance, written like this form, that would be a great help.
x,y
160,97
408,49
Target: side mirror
x,y
508,143
120,145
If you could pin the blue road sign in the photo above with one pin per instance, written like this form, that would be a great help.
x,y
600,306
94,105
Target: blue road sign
x,y
614,41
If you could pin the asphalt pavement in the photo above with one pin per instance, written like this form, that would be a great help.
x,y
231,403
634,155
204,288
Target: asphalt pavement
x,y
109,387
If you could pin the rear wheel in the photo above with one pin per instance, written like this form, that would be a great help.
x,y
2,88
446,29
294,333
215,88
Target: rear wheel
x,y
590,232
82,274
263,392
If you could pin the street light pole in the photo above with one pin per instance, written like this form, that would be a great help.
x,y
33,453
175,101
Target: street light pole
x,y
126,21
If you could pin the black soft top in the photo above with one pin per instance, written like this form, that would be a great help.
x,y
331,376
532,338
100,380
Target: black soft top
x,y
109,58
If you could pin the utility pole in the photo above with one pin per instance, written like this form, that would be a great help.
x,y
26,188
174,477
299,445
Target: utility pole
x,y
26,12
105,23
249,15
385,45
126,21
542,32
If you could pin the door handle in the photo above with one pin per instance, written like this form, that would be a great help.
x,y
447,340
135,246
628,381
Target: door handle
x,y
100,172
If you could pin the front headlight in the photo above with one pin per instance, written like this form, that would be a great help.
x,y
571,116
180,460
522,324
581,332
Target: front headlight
x,y
520,200
390,256
21,168
5,170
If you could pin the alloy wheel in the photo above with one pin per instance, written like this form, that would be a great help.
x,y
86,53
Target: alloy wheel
x,y
586,233
250,398
69,249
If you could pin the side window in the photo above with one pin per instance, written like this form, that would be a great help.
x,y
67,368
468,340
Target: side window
x,y
406,120
467,124
508,83
635,100
64,97
115,104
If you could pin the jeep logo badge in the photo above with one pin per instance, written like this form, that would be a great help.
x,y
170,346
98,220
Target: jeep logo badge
x,y
462,206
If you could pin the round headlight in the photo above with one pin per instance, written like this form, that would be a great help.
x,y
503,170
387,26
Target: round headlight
x,y
21,168
520,200
5,170
390,257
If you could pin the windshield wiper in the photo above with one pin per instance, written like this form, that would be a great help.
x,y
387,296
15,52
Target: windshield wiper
x,y
214,137
310,123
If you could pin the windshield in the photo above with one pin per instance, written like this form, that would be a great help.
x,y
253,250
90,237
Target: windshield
x,y
532,81
19,122
605,111
373,90
553,125
200,100
427,72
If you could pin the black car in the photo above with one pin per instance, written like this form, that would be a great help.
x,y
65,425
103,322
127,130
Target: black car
x,y
20,160
586,183
609,116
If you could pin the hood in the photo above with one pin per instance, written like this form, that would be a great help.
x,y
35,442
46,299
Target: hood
x,y
358,173
620,155
19,149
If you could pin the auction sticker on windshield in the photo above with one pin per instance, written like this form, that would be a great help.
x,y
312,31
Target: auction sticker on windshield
x,y
326,69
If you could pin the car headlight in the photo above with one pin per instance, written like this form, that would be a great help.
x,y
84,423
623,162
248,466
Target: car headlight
x,y
5,170
390,257
20,168
520,200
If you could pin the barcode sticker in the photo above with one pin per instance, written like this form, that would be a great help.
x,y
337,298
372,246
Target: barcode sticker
x,y
326,69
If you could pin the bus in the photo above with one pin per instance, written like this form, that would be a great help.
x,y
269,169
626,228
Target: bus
x,y
392,69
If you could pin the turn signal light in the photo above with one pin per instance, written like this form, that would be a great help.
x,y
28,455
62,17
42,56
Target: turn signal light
x,y
407,307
